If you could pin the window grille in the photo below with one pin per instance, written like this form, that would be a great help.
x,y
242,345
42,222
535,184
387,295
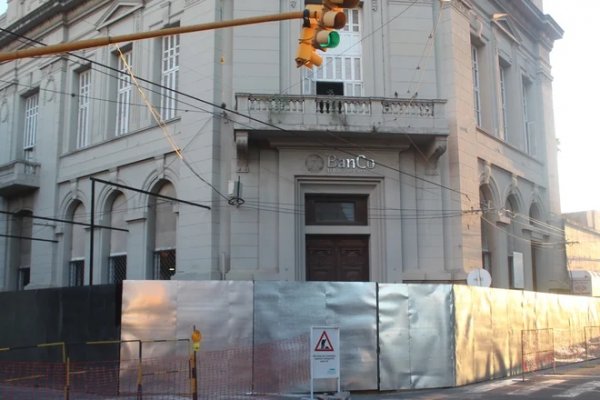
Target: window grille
x,y
31,116
169,76
164,264
117,268
476,84
83,114
76,273
504,129
123,94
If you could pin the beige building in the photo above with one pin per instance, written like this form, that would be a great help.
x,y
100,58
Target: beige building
x,y
422,149
582,233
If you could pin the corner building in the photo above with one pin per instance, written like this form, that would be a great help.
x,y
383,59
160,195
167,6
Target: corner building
x,y
422,149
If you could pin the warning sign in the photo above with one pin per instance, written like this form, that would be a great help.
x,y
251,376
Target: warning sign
x,y
324,344
325,347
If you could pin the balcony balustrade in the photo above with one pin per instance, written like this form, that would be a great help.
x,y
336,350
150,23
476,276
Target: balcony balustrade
x,y
18,177
342,114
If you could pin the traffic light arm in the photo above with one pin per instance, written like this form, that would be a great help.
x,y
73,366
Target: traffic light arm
x,y
104,41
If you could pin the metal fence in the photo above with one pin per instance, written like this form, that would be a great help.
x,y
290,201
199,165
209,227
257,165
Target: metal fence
x,y
392,336
268,368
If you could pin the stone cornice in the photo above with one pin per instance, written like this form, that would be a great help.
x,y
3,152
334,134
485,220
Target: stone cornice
x,y
50,14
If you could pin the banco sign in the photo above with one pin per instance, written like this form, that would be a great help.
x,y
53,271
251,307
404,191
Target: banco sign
x,y
359,162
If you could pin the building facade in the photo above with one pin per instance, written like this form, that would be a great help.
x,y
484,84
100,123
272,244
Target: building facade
x,y
582,233
421,150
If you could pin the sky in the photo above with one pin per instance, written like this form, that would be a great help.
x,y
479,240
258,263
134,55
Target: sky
x,y
576,72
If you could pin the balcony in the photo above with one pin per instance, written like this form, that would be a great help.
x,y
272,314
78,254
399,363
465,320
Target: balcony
x,y
19,177
372,115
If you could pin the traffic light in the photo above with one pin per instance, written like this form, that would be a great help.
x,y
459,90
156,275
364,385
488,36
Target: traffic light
x,y
319,30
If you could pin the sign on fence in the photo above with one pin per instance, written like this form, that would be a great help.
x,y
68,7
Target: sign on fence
x,y
324,354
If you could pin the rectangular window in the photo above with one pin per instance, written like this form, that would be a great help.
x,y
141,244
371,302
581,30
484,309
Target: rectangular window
x,y
325,209
476,84
342,64
123,94
31,117
23,278
528,125
76,273
503,107
169,76
83,108
164,264
117,268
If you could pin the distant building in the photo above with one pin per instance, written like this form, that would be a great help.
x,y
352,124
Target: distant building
x,y
422,149
582,232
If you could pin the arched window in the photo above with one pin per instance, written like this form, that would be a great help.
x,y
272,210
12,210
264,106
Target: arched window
x,y
21,229
534,214
117,258
487,221
77,248
164,225
511,210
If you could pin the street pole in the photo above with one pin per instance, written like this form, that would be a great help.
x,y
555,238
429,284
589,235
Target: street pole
x,y
104,41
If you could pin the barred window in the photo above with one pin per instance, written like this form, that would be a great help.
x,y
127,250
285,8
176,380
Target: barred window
x,y
123,94
76,272
83,108
31,118
169,76
163,222
117,260
476,84
503,101
164,264
78,241
117,268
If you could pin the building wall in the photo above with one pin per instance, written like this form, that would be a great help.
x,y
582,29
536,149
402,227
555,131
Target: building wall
x,y
583,240
428,182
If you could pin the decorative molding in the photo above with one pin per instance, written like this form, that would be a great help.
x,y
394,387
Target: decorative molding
x,y
50,90
486,174
118,11
189,3
433,153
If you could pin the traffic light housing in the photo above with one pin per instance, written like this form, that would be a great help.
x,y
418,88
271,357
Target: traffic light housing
x,y
319,30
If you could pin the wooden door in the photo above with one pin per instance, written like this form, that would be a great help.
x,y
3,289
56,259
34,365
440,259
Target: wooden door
x,y
337,258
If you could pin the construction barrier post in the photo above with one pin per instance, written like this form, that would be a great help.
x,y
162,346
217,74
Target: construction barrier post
x,y
67,379
139,376
196,339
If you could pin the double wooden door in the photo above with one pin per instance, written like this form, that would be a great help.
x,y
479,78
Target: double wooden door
x,y
337,258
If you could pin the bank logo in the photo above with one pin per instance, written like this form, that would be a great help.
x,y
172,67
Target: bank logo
x,y
314,163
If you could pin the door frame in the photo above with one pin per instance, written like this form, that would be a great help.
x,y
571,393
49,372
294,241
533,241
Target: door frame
x,y
375,227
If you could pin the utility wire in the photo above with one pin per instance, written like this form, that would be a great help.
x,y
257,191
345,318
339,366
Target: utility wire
x,y
245,115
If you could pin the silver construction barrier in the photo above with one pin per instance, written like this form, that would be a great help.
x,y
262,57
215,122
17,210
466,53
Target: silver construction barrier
x,y
393,336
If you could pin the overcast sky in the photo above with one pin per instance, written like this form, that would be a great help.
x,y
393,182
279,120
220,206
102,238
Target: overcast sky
x,y
575,67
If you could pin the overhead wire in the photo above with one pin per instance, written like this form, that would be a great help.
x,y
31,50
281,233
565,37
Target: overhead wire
x,y
245,115
257,120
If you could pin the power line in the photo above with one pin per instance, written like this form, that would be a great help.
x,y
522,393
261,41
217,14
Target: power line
x,y
248,116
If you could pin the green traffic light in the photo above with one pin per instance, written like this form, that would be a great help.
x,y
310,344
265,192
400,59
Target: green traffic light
x,y
333,39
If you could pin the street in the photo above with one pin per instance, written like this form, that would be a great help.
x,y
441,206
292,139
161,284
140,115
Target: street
x,y
578,381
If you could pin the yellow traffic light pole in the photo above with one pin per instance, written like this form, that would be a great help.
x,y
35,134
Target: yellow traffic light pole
x,y
103,41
